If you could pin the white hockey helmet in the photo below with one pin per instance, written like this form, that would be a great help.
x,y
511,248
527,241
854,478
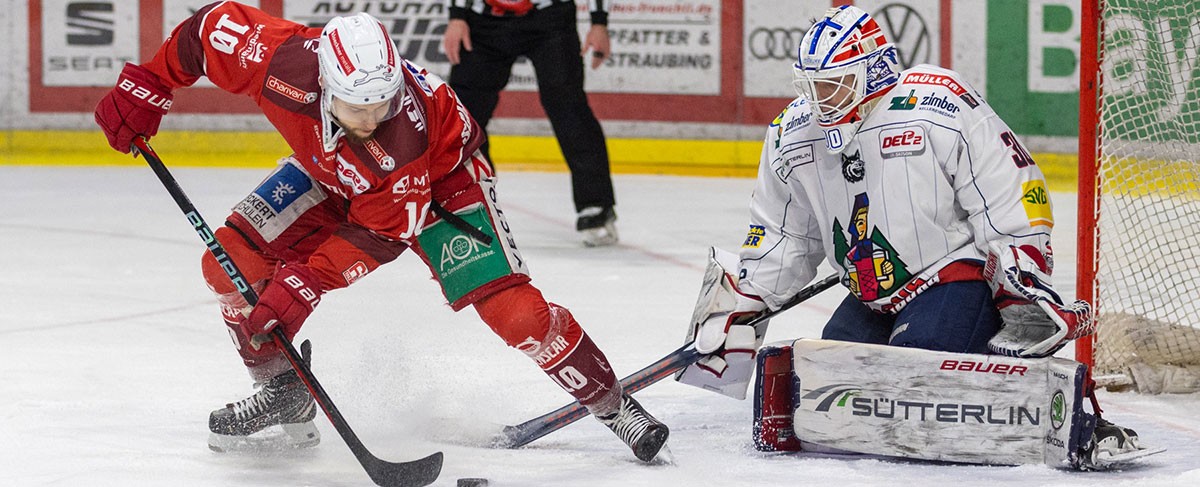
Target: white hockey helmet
x,y
359,64
844,62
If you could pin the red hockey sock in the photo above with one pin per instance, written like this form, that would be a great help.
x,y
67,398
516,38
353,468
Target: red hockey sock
x,y
548,334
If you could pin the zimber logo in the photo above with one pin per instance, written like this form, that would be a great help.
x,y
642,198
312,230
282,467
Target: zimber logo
x,y
291,92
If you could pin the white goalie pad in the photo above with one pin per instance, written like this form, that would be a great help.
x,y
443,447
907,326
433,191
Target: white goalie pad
x,y
913,403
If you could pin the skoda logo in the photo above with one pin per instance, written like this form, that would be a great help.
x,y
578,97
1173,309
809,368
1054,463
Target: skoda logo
x,y
775,42
1058,410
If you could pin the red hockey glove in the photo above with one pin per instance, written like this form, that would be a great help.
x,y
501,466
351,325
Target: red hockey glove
x,y
286,301
134,107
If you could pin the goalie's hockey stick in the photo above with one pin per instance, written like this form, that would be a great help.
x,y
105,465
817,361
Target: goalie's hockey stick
x,y
416,473
525,433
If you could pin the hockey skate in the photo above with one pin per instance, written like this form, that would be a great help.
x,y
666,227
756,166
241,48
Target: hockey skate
x,y
248,425
637,428
1111,447
597,225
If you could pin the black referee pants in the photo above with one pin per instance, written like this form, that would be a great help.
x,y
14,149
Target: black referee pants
x,y
549,39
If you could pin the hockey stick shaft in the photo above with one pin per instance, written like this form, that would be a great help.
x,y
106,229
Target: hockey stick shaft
x,y
525,433
388,474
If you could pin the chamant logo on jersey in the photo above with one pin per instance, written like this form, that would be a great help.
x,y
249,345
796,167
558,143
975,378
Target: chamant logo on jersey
x,y
906,102
386,162
902,142
291,92
754,237
1036,201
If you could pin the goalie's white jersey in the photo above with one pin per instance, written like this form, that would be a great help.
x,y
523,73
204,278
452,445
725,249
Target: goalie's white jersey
x,y
932,176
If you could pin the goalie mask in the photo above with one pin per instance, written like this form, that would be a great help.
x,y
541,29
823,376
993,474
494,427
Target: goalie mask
x,y
360,71
845,65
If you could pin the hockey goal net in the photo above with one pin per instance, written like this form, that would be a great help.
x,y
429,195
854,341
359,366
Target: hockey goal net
x,y
1139,192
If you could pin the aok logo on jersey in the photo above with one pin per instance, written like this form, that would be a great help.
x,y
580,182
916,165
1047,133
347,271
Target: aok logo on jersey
x,y
902,142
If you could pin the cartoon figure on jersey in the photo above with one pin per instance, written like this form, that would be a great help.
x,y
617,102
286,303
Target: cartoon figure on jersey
x,y
385,160
872,267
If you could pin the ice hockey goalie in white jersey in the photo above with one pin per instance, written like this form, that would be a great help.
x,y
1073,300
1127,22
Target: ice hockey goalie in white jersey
x,y
923,200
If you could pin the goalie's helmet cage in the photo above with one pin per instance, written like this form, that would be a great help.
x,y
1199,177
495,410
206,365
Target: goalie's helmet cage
x,y
358,63
844,62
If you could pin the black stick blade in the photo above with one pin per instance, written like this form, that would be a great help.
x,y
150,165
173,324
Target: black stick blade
x,y
417,473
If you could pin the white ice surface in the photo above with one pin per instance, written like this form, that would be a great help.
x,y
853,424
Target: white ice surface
x,y
112,352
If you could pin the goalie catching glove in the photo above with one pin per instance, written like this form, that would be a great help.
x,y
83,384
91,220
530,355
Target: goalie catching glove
x,y
720,331
1036,323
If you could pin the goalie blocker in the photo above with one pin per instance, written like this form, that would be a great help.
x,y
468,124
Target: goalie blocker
x,y
954,407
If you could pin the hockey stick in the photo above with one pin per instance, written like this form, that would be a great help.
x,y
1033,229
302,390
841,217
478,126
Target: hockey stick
x,y
416,473
525,433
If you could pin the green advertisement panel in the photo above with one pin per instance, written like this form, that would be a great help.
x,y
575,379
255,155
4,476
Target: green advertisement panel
x,y
1150,78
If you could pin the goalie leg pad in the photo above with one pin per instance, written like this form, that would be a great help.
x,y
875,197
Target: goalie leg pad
x,y
773,399
943,406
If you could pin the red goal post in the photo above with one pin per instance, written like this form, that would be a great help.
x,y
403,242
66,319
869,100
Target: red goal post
x,y
1139,192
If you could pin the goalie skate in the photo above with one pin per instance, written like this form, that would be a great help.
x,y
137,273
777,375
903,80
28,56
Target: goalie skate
x,y
1113,447
278,417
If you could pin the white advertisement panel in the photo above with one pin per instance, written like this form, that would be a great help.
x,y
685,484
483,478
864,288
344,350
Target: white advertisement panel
x,y
659,46
773,30
87,43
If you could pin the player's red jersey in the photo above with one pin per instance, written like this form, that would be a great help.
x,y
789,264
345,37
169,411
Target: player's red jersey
x,y
386,180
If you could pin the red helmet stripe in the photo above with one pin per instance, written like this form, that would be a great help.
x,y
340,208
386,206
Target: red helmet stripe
x,y
391,55
343,59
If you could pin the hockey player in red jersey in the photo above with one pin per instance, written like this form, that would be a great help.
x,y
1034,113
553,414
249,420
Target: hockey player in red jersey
x,y
384,159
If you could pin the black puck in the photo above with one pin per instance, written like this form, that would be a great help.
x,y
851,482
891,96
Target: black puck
x,y
472,482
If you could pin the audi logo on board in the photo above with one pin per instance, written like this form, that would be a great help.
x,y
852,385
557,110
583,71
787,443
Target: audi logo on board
x,y
775,42
903,25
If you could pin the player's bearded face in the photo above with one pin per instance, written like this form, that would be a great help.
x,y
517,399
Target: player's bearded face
x,y
360,121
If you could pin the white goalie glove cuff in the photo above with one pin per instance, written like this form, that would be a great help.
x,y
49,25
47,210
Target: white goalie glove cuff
x,y
1036,323
717,331
720,304
729,370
